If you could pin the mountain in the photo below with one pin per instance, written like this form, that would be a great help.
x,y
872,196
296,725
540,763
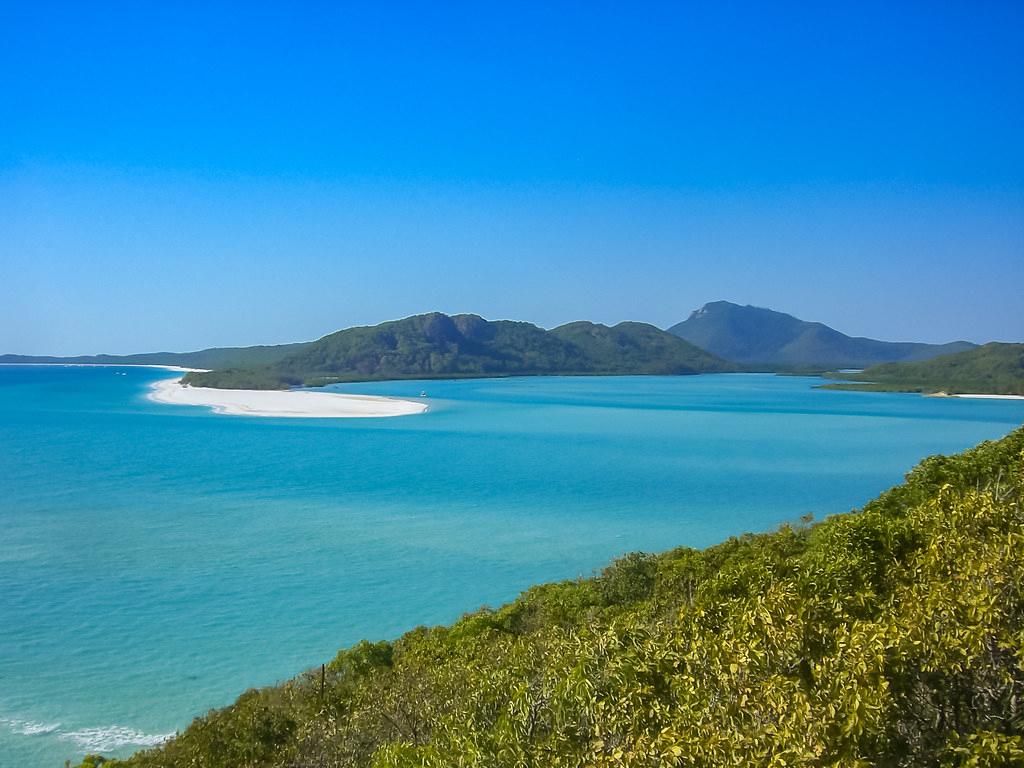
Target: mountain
x,y
994,369
215,357
886,637
438,346
637,348
756,337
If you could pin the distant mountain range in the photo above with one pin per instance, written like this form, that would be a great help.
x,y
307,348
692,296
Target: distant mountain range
x,y
995,368
436,345
718,337
216,357
769,340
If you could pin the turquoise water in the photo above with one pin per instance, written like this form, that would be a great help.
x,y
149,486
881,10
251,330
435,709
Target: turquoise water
x,y
157,560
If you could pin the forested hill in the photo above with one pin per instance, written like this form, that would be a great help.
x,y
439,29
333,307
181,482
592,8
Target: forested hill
x,y
438,346
889,637
215,357
769,340
994,368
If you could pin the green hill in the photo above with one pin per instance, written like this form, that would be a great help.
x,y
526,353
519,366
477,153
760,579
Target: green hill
x,y
438,346
636,348
216,357
891,636
768,340
995,368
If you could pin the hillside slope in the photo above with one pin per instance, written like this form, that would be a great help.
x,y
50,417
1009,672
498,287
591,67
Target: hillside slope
x,y
994,368
636,348
891,636
438,346
773,340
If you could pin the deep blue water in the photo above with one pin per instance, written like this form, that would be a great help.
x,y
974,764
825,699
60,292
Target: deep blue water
x,y
157,560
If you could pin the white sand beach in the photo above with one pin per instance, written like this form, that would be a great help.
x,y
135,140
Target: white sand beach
x,y
283,404
992,397
108,365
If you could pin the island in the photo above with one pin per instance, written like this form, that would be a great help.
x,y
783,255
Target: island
x,y
439,346
994,369
720,337
765,339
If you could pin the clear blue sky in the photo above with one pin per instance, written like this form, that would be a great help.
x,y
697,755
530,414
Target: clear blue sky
x,y
178,175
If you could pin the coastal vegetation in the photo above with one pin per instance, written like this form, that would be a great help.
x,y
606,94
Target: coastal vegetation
x,y
438,346
890,636
994,368
762,339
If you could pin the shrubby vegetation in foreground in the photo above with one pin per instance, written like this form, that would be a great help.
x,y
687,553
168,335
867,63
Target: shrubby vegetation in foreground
x,y
893,636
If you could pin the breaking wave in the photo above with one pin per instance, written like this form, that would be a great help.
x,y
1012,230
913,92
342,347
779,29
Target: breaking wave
x,y
28,727
89,739
112,737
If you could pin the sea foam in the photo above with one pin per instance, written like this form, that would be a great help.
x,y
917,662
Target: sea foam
x,y
113,737
28,727
90,739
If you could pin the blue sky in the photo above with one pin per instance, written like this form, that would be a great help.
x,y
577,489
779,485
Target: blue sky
x,y
182,175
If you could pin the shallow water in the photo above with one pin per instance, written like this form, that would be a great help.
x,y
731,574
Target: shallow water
x,y
157,560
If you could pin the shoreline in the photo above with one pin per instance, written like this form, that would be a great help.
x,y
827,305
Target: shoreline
x,y
182,369
282,404
113,365
971,396
990,397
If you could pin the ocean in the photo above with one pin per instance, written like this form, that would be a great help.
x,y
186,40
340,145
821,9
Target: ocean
x,y
158,560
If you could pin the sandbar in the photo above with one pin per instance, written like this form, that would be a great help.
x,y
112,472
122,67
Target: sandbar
x,y
992,397
290,404
109,365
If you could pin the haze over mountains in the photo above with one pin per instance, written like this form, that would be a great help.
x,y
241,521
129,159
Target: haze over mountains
x,y
718,337
757,337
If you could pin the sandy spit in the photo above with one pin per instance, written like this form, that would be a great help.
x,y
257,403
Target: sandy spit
x,y
109,365
287,404
992,397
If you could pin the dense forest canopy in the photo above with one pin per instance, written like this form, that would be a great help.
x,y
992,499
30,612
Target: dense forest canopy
x,y
438,346
891,636
994,368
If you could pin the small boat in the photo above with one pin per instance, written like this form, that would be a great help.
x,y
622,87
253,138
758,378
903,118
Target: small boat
x,y
423,393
